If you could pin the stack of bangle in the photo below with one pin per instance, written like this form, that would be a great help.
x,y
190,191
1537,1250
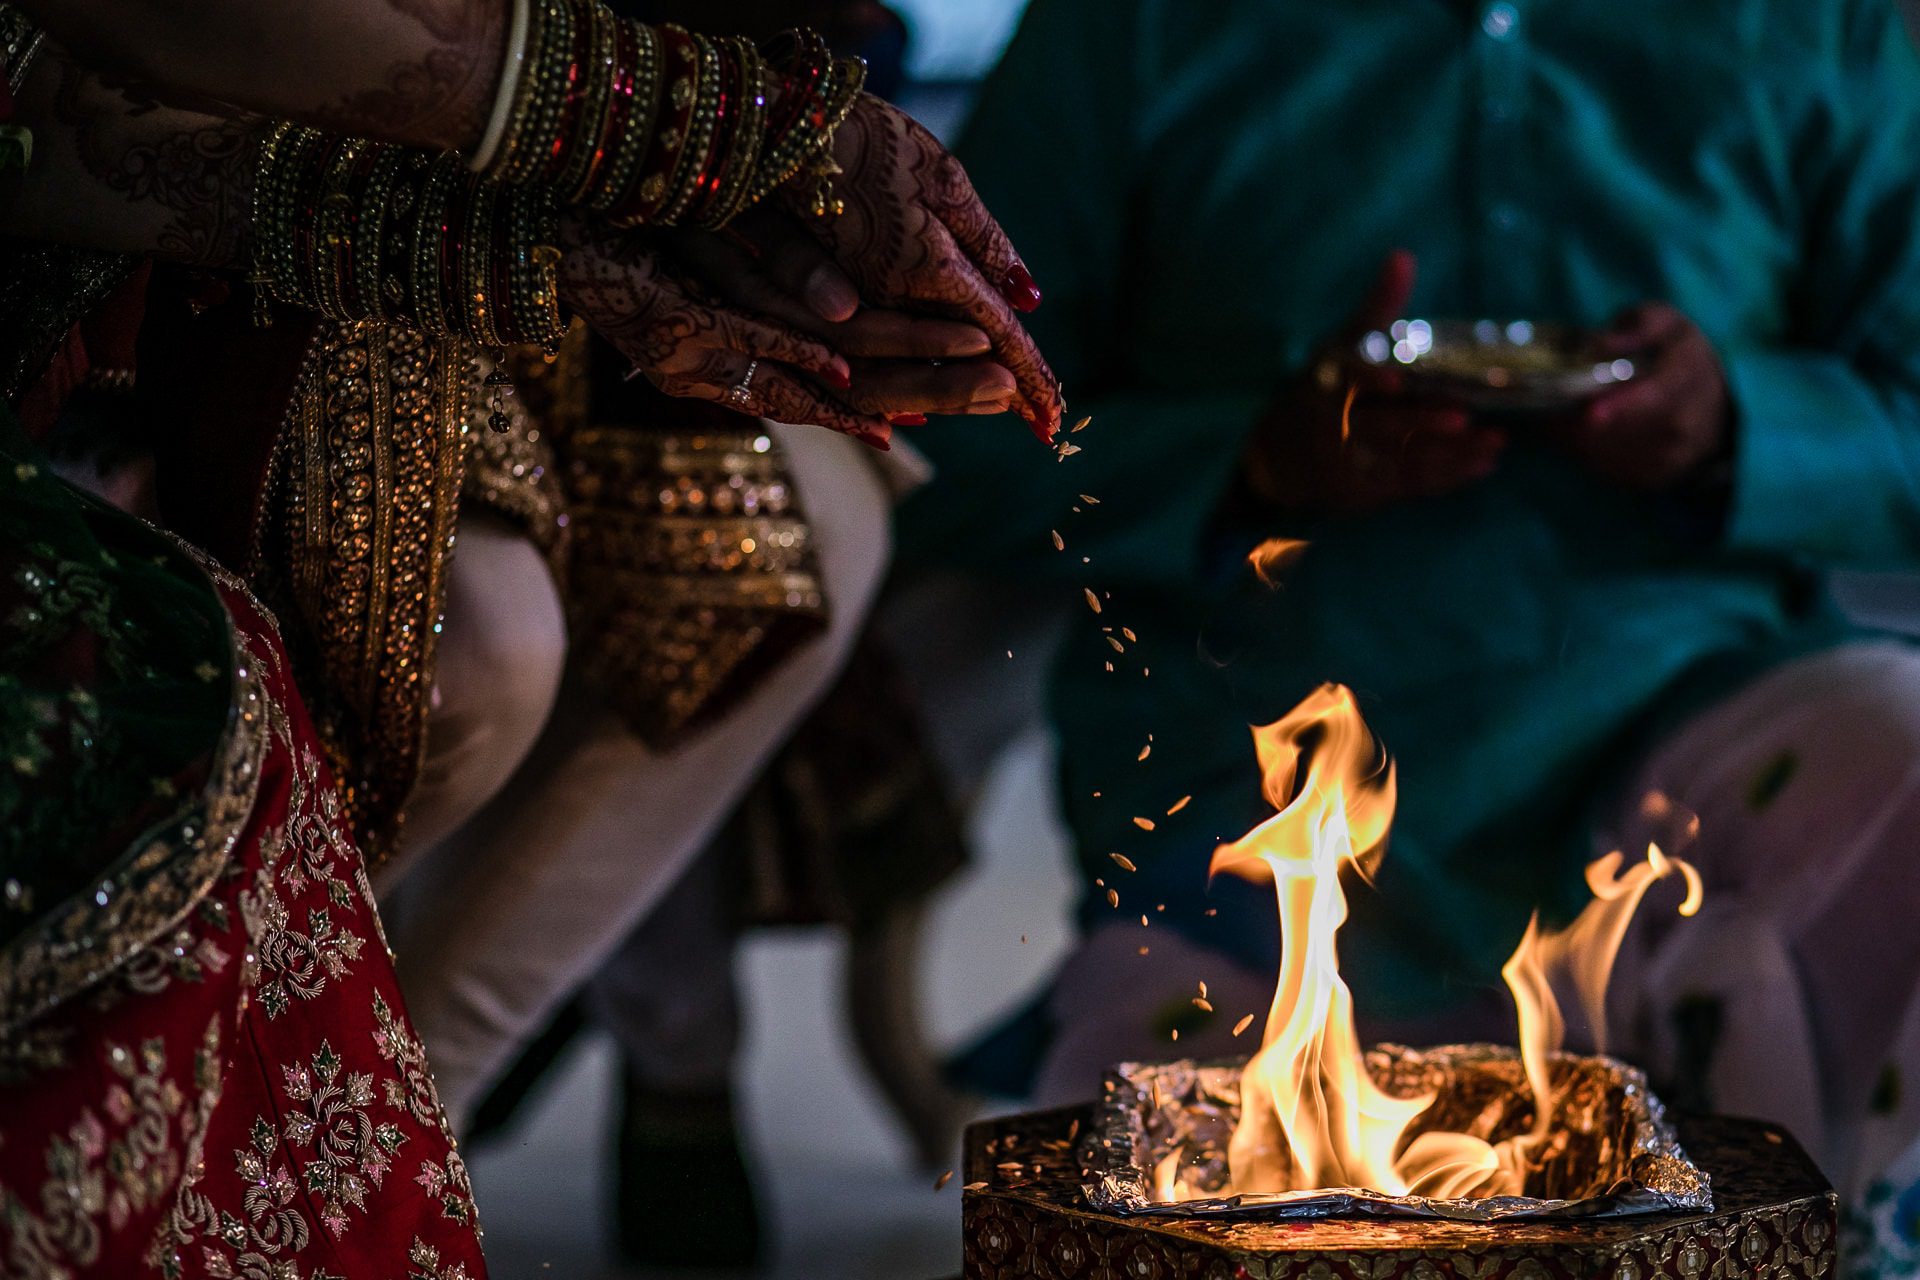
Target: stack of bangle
x,y
657,125
360,230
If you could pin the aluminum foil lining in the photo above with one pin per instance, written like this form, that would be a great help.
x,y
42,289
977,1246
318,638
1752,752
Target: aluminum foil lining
x,y
1612,1151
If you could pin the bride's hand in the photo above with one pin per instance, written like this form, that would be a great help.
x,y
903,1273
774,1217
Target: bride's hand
x,y
688,345
915,235
904,365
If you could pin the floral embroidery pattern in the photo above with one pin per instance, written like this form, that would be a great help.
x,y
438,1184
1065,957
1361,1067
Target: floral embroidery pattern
x,y
314,844
426,1264
411,1089
107,1168
172,1167
351,1152
293,964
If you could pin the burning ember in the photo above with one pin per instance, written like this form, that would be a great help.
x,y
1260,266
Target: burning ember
x,y
1312,1115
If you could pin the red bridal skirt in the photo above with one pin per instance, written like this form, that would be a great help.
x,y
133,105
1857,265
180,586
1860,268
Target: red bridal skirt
x,y
243,1096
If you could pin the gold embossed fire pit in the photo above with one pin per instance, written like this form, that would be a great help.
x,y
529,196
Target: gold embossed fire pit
x,y
1026,1217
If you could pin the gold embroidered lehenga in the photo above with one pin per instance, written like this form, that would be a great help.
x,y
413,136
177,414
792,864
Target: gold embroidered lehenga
x,y
205,1064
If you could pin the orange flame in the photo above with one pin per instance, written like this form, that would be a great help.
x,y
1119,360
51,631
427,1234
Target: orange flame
x,y
1581,955
1311,1115
1273,557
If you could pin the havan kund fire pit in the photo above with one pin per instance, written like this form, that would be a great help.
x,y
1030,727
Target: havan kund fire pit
x,y
1314,1158
1026,1217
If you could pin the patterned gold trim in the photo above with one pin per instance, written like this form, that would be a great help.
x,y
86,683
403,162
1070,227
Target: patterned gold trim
x,y
20,42
153,886
356,536
692,570
513,472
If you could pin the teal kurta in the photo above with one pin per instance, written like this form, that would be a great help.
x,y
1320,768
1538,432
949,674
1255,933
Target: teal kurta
x,y
1204,189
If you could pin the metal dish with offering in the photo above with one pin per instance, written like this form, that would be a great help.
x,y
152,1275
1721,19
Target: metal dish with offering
x,y
1512,367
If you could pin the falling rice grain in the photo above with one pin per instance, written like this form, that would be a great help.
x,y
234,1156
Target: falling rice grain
x,y
1145,752
940,1183
1201,1004
1243,1024
1143,919
1117,646
1176,1033
1089,499
1179,804
1082,424
975,1186
1128,633
1145,824
1123,862
1059,543
1143,951
1203,991
1093,601
1113,899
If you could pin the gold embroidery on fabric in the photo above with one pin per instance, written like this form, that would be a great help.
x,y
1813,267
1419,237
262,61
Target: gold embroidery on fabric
x,y
153,887
411,1089
357,532
426,1264
293,963
349,1152
513,472
183,955
691,570
102,1168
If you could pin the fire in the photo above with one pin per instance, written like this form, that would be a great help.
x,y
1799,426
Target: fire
x,y
1311,1116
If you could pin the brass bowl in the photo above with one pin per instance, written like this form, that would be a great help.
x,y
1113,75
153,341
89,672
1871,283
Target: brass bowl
x,y
1512,367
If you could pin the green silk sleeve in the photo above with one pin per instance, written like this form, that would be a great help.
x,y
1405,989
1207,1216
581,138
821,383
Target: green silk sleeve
x,y
1827,453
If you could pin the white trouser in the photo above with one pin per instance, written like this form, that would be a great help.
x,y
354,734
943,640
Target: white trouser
x,y
499,666
513,913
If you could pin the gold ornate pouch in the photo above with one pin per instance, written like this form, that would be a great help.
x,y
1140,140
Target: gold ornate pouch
x,y
692,572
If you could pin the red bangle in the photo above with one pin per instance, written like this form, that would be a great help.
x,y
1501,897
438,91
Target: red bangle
x,y
680,84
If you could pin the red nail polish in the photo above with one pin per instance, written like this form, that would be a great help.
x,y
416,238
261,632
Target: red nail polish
x,y
875,440
907,419
1019,289
838,379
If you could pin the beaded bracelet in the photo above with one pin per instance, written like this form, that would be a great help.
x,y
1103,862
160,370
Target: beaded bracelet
x,y
660,126
360,230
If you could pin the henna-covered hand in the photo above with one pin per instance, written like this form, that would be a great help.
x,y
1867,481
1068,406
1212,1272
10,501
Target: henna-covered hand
x,y
914,235
689,345
903,364
420,72
112,169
